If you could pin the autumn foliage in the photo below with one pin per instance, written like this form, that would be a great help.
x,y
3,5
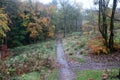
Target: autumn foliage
x,y
97,46
3,23
36,25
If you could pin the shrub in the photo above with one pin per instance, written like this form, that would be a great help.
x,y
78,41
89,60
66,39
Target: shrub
x,y
96,46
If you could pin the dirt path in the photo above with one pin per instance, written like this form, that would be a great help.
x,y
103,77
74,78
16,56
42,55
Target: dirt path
x,y
95,62
65,72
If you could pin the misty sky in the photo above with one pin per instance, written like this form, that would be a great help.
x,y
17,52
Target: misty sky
x,y
86,4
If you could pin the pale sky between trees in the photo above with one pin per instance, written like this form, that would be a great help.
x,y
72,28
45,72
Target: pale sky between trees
x,y
86,4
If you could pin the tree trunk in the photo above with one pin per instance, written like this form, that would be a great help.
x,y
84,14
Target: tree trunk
x,y
103,27
76,25
99,19
111,39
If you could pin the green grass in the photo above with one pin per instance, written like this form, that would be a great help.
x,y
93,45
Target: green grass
x,y
28,76
75,42
94,74
31,76
36,76
39,48
53,75
43,49
85,75
77,58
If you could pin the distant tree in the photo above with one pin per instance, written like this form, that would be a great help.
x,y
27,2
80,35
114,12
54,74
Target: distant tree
x,y
70,17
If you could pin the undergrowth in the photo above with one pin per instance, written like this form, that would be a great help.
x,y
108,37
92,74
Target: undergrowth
x,y
36,57
75,44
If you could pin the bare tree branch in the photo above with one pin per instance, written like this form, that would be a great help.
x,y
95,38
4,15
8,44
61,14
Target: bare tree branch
x,y
114,18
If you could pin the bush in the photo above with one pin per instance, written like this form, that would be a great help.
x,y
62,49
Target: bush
x,y
96,46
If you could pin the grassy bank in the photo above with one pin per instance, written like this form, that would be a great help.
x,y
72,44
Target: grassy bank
x,y
32,60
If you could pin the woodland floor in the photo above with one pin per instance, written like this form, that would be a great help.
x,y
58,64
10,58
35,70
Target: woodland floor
x,y
73,61
79,58
90,62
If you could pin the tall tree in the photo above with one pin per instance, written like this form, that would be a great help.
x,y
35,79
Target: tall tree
x,y
103,6
111,39
103,26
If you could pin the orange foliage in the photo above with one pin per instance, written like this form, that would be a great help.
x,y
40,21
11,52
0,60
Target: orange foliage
x,y
50,34
40,23
97,46
46,21
34,29
51,31
116,46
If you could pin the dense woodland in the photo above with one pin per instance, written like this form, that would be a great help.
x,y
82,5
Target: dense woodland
x,y
30,30
28,21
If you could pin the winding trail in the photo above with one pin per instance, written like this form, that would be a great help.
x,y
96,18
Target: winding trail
x,y
65,72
